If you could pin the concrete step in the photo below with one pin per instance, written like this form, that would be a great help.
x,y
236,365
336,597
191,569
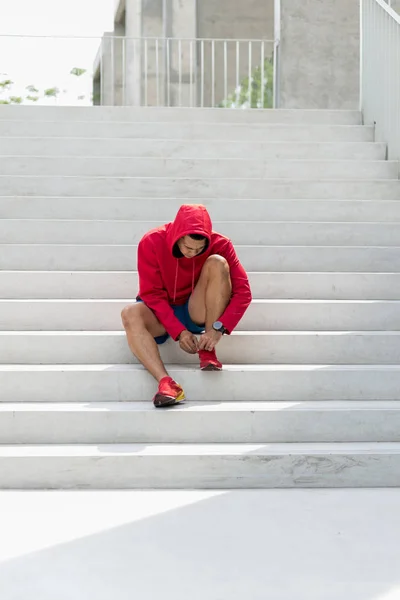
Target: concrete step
x,y
132,114
242,347
124,284
144,209
196,189
199,423
262,315
130,209
106,147
188,130
198,167
59,257
36,231
254,383
188,466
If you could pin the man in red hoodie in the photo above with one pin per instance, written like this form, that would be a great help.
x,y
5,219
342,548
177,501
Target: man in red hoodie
x,y
190,283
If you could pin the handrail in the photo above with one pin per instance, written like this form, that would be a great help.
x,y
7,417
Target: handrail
x,y
380,72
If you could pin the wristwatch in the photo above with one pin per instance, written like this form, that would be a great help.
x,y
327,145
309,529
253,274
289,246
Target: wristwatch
x,y
218,326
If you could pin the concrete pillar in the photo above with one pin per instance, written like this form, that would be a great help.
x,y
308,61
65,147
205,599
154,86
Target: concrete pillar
x,y
107,77
119,64
153,53
96,91
180,21
320,42
133,52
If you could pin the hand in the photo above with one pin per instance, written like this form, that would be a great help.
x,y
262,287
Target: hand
x,y
209,340
188,342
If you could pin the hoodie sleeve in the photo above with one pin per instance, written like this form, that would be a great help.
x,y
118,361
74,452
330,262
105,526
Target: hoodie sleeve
x,y
152,291
241,293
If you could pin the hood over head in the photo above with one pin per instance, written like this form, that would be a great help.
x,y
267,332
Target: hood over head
x,y
191,218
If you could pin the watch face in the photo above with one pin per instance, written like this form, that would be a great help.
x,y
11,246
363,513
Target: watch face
x,y
217,325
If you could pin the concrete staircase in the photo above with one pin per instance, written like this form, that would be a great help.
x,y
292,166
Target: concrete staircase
x,y
310,394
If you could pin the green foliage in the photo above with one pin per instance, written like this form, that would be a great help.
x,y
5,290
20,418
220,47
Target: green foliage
x,y
77,72
32,92
52,92
32,89
249,94
6,84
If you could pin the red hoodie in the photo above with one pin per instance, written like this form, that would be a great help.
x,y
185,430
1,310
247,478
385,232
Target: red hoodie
x,y
165,280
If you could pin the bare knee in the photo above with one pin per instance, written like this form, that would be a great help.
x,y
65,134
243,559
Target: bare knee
x,y
132,316
217,264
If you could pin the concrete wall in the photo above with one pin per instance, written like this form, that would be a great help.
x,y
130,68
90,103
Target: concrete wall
x,y
320,54
252,19
396,5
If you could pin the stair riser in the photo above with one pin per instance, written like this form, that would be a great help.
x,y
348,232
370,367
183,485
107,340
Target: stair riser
x,y
114,285
188,131
191,149
21,231
262,258
272,348
297,316
284,426
201,472
220,210
209,168
272,384
163,114
197,189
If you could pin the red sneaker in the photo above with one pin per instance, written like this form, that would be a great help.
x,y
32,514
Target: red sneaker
x,y
169,393
209,361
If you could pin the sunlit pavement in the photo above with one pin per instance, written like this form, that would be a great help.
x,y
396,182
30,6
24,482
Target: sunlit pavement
x,y
247,545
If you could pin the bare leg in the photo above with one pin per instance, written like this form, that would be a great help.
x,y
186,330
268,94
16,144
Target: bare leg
x,y
142,326
212,293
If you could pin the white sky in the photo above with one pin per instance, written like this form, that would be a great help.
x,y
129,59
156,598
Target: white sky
x,y
48,62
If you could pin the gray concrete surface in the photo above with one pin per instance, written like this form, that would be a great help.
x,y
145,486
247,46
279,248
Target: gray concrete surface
x,y
258,545
396,5
320,54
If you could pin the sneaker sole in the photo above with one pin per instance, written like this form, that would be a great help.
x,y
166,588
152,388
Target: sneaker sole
x,y
211,368
165,401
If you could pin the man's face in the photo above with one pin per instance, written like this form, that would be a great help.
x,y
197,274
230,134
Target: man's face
x,y
189,247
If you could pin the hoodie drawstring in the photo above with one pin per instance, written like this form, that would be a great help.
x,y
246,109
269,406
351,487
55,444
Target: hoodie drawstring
x,y
176,279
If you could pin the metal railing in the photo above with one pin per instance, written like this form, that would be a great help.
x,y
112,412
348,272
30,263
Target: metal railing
x,y
122,71
380,72
186,72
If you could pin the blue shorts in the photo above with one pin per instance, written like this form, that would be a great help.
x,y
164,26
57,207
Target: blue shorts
x,y
182,313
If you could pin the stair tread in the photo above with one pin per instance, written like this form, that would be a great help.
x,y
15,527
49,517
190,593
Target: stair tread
x,y
165,450
211,407
108,333
289,301
175,368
